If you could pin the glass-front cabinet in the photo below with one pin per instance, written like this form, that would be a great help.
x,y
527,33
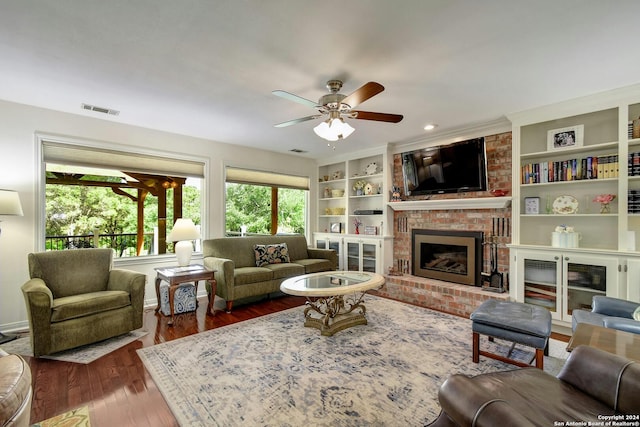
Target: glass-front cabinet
x,y
362,255
542,273
562,281
330,241
629,288
354,253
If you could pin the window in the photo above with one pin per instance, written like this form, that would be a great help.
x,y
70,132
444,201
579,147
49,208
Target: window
x,y
97,197
265,203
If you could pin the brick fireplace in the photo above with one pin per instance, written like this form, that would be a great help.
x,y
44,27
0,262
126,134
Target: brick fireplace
x,y
442,294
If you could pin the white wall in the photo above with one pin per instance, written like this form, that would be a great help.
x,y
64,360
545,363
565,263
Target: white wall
x,y
19,170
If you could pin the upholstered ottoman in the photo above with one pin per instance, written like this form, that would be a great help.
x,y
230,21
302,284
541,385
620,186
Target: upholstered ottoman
x,y
519,323
184,300
15,391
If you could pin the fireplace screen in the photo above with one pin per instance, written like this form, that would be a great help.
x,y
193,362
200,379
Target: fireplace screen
x,y
452,256
447,258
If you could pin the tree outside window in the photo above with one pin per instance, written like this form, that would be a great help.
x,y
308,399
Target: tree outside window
x,y
260,209
99,208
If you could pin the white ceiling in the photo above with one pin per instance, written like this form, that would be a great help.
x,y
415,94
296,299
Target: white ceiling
x,y
207,68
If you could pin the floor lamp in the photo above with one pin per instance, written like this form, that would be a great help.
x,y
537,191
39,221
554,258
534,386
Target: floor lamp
x,y
9,205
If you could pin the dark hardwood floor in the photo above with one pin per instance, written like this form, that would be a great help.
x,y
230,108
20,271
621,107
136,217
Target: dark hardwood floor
x,y
116,387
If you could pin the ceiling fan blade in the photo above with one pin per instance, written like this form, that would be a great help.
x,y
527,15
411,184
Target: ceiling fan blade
x,y
300,120
379,117
365,92
295,98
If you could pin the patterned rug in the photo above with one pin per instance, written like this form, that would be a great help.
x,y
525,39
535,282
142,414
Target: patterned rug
x,y
85,354
272,371
76,418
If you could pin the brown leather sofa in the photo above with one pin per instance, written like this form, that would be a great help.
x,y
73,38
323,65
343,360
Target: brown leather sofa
x,y
593,386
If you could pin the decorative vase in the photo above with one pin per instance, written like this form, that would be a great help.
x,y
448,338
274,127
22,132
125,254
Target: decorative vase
x,y
359,192
357,230
605,208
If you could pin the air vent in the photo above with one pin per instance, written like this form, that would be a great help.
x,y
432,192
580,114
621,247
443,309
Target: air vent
x,y
297,150
100,109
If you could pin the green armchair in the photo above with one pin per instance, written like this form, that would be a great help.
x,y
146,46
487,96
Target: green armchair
x,y
74,298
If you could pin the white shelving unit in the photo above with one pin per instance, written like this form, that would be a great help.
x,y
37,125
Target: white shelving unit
x,y
340,204
332,199
607,242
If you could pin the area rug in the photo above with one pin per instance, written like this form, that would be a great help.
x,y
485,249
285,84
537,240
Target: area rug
x,y
84,354
76,418
272,371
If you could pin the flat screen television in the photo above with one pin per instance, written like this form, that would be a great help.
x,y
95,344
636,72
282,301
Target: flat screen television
x,y
453,168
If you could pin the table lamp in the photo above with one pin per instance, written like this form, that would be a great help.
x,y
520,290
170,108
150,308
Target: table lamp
x,y
183,232
9,205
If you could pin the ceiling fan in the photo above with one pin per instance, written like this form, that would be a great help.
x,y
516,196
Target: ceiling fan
x,y
338,107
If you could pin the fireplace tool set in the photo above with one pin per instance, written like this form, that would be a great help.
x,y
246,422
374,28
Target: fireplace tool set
x,y
495,281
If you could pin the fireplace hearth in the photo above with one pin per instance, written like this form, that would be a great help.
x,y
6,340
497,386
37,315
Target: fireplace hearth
x,y
449,255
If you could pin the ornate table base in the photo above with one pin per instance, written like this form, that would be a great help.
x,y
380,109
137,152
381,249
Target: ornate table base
x,y
335,313
334,298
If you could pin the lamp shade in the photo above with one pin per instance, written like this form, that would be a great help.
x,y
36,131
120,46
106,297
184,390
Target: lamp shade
x,y
183,229
333,129
183,232
343,129
10,203
323,131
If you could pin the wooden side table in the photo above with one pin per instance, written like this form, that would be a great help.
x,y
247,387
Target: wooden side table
x,y
174,276
622,343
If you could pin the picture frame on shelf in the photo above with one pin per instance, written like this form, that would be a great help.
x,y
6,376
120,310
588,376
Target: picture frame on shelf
x,y
532,205
336,227
563,138
371,230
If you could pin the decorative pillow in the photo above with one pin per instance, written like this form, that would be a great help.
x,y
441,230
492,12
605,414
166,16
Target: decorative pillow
x,y
271,254
636,314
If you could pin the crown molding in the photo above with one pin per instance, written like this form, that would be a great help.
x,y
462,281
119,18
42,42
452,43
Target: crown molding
x,y
460,133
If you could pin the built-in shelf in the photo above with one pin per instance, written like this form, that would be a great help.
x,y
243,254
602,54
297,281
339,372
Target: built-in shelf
x,y
445,204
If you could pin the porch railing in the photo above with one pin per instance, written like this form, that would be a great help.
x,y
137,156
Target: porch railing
x,y
124,244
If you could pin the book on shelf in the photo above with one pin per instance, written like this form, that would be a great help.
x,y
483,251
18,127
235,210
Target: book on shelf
x,y
592,167
634,164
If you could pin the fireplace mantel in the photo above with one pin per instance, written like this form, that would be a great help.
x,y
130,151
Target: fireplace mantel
x,y
446,204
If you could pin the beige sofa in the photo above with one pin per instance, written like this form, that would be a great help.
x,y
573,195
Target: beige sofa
x,y
238,276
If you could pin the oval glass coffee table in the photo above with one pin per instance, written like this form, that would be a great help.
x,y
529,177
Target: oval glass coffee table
x,y
334,298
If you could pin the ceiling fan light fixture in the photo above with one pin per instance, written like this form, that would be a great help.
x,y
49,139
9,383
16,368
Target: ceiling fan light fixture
x,y
342,128
323,131
333,129
336,106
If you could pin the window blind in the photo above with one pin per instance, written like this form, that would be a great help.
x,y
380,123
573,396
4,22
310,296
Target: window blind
x,y
271,179
76,155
